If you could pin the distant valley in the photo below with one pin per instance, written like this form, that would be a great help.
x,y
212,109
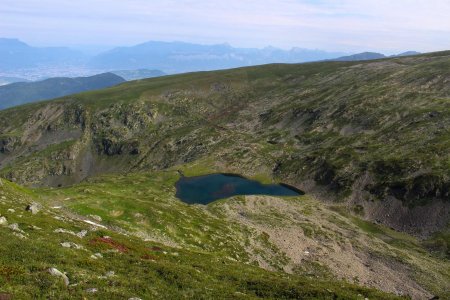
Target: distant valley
x,y
16,91
138,74
26,92
162,57
7,80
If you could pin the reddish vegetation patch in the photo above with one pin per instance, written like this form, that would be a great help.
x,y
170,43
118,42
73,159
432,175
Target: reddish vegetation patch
x,y
148,257
155,248
4,296
8,272
110,242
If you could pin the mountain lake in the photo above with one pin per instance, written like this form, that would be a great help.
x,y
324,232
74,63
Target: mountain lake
x,y
208,188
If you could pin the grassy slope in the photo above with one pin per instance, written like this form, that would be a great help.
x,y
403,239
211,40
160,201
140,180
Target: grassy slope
x,y
330,122
144,269
335,121
143,205
377,130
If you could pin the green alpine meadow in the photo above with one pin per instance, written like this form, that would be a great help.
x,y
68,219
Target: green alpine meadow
x,y
88,205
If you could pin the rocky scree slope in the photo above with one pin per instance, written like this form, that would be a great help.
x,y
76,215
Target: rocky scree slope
x,y
374,135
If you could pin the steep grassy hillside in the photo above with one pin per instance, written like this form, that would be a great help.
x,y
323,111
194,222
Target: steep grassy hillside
x,y
372,134
128,236
108,262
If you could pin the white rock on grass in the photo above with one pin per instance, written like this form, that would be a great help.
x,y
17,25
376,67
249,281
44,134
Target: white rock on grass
x,y
80,234
19,235
66,245
56,272
134,298
34,207
110,274
96,256
92,290
62,230
11,210
71,245
3,221
94,224
15,227
96,218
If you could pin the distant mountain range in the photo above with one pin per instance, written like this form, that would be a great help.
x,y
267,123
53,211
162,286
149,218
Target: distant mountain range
x,y
177,57
26,92
372,55
17,59
20,62
407,53
15,54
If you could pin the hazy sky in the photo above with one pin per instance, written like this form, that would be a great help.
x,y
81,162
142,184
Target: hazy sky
x,y
345,25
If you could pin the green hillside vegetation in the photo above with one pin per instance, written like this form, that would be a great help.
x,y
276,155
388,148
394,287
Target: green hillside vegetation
x,y
370,139
356,128
152,245
118,265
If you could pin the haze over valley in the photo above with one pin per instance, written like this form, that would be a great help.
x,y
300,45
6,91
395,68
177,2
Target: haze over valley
x,y
162,57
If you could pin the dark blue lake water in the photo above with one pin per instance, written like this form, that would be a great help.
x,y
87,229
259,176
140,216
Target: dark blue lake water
x,y
208,188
